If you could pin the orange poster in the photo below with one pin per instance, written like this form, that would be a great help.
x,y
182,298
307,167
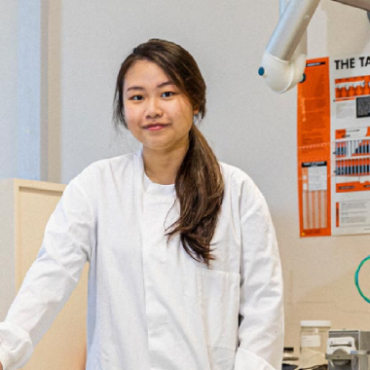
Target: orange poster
x,y
334,147
314,150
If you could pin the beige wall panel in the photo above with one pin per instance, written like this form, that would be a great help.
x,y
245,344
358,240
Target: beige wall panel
x,y
64,345
34,209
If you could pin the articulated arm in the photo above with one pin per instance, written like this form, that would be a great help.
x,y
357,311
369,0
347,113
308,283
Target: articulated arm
x,y
281,67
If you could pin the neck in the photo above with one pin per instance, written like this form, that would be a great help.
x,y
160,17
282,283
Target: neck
x,y
161,166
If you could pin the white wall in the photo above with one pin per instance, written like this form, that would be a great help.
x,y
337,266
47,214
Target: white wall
x,y
8,88
319,272
247,125
227,40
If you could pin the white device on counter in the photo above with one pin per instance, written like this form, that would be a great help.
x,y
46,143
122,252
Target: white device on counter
x,y
282,64
348,350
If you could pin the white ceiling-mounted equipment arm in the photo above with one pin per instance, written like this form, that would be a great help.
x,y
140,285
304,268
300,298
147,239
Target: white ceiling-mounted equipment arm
x,y
281,67
280,72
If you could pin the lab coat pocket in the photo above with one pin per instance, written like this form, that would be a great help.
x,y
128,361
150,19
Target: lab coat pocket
x,y
219,297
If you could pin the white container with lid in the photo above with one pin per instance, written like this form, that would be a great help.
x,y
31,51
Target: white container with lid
x,y
314,337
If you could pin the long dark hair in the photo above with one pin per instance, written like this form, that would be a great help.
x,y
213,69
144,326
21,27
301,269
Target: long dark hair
x,y
199,184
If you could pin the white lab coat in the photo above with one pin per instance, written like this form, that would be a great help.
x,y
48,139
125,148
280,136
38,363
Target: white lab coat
x,y
150,305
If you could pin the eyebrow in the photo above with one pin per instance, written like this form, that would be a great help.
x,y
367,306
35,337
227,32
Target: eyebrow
x,y
158,86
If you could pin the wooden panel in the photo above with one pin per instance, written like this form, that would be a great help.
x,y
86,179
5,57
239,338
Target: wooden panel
x,y
64,345
34,209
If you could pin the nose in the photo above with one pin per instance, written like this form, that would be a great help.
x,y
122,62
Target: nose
x,y
154,109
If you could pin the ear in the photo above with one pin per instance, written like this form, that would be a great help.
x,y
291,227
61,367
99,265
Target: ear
x,y
196,111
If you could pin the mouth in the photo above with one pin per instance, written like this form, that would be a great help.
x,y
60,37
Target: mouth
x,y
155,126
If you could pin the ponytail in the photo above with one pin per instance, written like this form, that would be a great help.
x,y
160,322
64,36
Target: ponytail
x,y
199,188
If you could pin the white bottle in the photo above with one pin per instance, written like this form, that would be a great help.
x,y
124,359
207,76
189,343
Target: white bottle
x,y
314,337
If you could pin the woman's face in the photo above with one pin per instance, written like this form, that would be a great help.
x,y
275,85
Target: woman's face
x,y
157,113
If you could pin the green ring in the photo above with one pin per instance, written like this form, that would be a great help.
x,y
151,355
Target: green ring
x,y
356,279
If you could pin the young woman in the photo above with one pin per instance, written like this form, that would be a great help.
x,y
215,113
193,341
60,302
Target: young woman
x,y
184,265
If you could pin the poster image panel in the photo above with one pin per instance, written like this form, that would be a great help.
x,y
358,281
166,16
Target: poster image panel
x,y
333,128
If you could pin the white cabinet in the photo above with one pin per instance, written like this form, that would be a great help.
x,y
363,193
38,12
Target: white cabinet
x,y
25,207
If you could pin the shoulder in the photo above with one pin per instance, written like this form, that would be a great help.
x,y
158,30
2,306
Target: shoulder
x,y
235,178
242,190
105,171
112,163
232,172
102,166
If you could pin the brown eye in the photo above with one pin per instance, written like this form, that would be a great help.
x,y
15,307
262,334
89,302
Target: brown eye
x,y
168,94
136,97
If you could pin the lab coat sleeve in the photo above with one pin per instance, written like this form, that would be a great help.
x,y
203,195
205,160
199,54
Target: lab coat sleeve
x,y
261,315
68,242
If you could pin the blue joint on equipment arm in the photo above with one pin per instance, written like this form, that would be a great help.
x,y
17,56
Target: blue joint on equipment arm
x,y
261,71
